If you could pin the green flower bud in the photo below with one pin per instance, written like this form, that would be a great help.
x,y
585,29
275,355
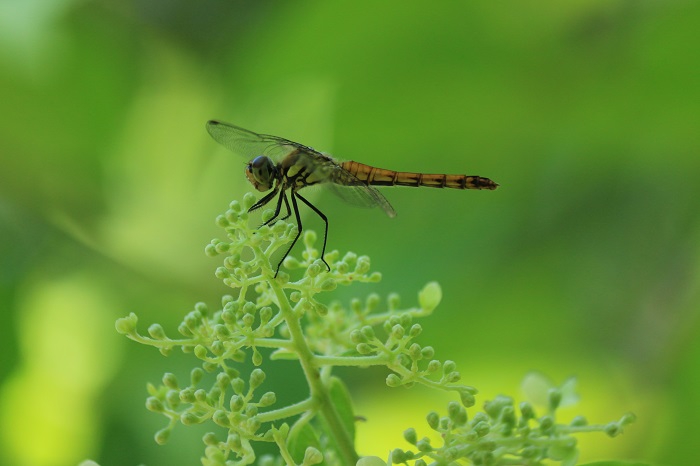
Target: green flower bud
x,y
153,404
210,249
232,262
363,265
527,411
127,325
189,419
363,348
410,435
217,347
200,395
393,380
210,439
546,424
200,351
267,399
415,352
398,456
156,332
234,442
367,332
433,419
341,267
238,385
457,414
169,380
257,377
468,399
309,238
453,377
579,421
222,247
424,446
329,284
448,366
187,396
393,301
482,428
209,366
221,331
554,396
415,330
265,314
312,456
236,403
220,418
320,308
253,424
214,456
434,365
184,331
612,429
257,358
173,398
397,331
248,320
372,302
162,436
196,375
357,337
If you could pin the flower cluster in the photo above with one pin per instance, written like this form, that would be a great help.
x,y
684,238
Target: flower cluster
x,y
277,314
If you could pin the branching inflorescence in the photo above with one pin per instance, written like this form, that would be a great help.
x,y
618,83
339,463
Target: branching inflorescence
x,y
284,317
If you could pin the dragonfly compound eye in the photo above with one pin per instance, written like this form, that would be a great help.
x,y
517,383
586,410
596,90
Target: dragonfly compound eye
x,y
261,173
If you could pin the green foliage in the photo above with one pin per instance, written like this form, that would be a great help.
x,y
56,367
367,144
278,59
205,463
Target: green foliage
x,y
285,318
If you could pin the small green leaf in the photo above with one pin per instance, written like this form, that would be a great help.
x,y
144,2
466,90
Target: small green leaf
x,y
343,404
430,296
301,436
371,461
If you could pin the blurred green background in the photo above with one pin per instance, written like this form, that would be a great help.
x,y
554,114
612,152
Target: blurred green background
x,y
585,262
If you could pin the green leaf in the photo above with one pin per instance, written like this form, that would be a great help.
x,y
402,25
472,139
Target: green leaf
x,y
301,436
340,396
371,461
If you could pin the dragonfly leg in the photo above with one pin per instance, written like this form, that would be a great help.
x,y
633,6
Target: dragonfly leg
x,y
325,220
262,202
283,195
289,212
299,229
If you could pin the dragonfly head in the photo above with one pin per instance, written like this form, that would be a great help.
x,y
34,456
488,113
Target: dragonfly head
x,y
261,173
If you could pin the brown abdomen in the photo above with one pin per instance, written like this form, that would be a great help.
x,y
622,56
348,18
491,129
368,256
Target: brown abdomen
x,y
382,177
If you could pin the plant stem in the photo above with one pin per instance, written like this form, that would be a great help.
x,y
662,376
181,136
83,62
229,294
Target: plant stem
x,y
319,392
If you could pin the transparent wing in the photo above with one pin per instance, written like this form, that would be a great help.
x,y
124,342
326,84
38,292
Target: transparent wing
x,y
356,192
340,181
250,144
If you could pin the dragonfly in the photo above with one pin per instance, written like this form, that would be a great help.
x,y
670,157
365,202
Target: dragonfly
x,y
285,167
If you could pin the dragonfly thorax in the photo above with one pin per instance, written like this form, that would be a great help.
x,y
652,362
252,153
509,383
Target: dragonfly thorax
x,y
261,173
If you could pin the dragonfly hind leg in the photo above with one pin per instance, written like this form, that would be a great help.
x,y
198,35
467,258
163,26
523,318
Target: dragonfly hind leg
x,y
325,220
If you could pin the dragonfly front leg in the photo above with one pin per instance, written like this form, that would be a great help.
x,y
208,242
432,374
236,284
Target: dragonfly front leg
x,y
262,202
283,195
325,220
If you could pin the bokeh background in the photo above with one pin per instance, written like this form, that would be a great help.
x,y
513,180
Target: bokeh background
x,y
585,262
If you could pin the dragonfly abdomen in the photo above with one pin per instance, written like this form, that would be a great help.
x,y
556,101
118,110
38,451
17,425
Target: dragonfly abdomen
x,y
382,177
